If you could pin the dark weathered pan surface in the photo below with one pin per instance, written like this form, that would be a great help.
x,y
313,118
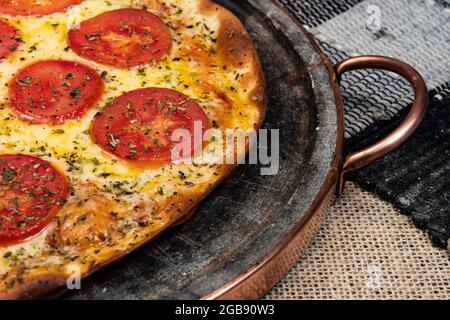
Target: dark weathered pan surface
x,y
249,214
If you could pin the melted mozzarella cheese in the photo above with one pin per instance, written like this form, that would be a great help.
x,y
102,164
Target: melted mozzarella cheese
x,y
69,146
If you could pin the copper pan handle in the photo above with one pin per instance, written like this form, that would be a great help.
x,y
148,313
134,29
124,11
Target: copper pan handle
x,y
366,156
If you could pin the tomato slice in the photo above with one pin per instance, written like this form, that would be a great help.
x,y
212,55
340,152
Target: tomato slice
x,y
9,39
138,125
53,91
31,191
35,7
122,38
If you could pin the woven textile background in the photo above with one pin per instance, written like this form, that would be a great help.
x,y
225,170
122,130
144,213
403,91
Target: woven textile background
x,y
417,32
365,250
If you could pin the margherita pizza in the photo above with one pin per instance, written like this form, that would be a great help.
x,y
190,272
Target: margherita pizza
x,y
96,99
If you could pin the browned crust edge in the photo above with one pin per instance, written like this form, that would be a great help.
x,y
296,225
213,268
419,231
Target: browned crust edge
x,y
235,48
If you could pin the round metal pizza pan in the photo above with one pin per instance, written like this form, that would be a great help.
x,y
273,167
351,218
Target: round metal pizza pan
x,y
248,232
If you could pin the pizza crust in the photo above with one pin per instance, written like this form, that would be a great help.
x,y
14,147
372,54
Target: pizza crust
x,y
234,48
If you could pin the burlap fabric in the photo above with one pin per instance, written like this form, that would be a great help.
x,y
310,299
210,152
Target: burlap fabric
x,y
367,250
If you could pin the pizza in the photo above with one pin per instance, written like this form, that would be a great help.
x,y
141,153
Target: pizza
x,y
92,94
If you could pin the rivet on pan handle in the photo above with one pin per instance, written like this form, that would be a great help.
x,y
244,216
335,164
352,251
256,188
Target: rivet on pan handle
x,y
364,157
